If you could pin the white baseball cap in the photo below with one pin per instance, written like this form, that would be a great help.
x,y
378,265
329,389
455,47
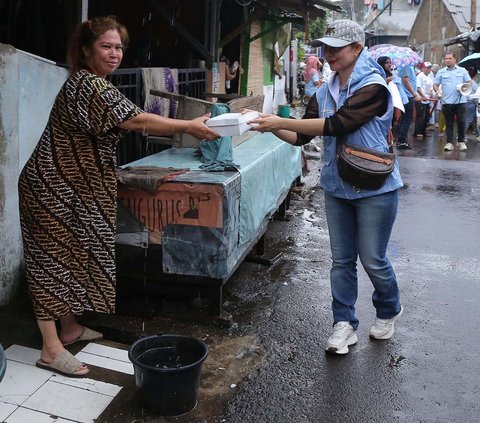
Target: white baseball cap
x,y
341,33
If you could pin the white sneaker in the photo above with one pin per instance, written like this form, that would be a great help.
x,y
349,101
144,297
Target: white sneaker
x,y
384,328
462,146
343,336
448,146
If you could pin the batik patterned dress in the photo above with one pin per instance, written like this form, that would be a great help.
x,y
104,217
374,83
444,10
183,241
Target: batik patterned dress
x,y
67,195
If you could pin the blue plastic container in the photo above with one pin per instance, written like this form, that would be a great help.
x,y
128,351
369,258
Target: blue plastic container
x,y
283,110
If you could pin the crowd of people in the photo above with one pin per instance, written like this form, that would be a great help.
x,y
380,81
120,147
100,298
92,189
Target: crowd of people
x,y
432,99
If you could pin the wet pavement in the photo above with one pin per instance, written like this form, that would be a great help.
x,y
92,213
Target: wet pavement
x,y
267,364
427,372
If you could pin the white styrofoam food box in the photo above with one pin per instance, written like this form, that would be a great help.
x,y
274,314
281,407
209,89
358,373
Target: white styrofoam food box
x,y
232,123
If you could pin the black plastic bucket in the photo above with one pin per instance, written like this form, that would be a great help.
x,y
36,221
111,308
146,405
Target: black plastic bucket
x,y
167,372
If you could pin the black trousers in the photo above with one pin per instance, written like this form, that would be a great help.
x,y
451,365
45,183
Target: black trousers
x,y
451,111
421,119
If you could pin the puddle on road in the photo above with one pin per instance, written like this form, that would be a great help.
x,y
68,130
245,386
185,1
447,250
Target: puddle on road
x,y
309,218
446,189
396,361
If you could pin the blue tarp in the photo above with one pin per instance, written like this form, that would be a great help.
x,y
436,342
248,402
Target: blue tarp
x,y
268,166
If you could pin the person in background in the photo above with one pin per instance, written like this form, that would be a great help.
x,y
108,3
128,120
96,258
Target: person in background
x,y
425,91
278,68
231,72
322,69
67,192
326,71
437,120
453,102
472,105
312,76
354,104
433,105
386,64
409,84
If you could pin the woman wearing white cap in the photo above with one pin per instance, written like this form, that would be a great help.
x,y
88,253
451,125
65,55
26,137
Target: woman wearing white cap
x,y
356,105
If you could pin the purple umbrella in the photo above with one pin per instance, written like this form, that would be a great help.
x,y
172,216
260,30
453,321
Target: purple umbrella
x,y
400,56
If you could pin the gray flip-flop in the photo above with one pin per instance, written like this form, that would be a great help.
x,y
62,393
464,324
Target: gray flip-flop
x,y
87,335
65,364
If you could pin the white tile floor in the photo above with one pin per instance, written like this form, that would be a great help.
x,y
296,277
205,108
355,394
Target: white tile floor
x,y
30,394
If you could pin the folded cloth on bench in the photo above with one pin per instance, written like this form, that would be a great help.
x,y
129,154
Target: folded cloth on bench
x,y
147,178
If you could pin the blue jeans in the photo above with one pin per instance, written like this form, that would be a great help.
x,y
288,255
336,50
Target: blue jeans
x,y
362,228
471,117
406,121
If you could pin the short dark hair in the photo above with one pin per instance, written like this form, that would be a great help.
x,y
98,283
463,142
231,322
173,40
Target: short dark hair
x,y
449,52
86,33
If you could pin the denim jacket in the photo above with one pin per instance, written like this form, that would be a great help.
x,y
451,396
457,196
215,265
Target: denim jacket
x,y
372,134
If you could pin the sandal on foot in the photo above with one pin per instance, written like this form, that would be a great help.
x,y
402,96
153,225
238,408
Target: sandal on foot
x,y
86,335
65,364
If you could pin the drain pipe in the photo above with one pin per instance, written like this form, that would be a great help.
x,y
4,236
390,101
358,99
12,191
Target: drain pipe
x,y
84,11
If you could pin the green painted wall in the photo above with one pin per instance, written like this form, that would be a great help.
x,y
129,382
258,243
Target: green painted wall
x,y
268,42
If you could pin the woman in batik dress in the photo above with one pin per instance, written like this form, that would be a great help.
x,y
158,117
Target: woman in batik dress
x,y
68,189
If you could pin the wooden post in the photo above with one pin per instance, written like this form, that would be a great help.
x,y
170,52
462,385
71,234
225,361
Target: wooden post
x,y
473,15
84,11
306,24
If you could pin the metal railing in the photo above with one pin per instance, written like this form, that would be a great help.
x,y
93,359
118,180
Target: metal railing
x,y
129,83
191,82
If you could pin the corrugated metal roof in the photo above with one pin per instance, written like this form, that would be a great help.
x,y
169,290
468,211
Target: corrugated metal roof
x,y
460,10
316,8
395,20
399,23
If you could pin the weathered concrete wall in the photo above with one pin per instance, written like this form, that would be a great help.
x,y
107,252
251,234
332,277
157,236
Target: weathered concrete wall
x,y
434,24
28,86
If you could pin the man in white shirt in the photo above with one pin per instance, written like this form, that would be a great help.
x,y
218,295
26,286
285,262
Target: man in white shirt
x,y
425,91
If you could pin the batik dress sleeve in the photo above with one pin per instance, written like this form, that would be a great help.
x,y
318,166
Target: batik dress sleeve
x,y
100,107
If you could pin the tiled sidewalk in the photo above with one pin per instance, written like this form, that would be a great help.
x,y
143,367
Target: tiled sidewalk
x,y
30,394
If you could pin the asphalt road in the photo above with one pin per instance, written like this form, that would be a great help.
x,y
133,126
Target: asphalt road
x,y
429,371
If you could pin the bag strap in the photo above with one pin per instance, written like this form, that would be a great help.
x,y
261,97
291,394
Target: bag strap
x,y
367,156
390,139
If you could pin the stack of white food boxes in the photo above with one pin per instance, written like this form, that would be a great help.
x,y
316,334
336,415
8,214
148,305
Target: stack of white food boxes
x,y
232,123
